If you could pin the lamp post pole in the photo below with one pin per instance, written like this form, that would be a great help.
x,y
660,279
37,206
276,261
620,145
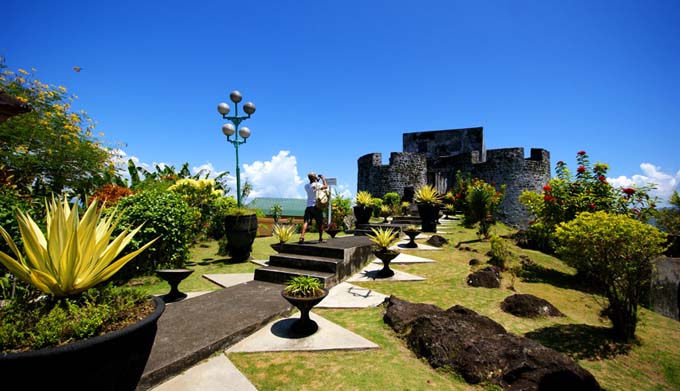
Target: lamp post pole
x,y
232,129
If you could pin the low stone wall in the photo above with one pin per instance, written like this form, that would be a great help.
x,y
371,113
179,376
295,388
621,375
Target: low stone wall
x,y
665,290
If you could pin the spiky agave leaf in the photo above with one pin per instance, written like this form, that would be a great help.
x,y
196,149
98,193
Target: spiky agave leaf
x,y
76,254
384,238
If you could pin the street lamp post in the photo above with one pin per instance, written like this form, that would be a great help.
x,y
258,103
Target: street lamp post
x,y
232,129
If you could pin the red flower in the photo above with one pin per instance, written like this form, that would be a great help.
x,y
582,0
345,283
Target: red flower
x,y
592,206
581,169
459,196
547,188
581,153
549,198
602,178
532,222
629,190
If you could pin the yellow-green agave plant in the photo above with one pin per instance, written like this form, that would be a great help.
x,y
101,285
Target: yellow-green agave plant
x,y
76,254
384,238
428,194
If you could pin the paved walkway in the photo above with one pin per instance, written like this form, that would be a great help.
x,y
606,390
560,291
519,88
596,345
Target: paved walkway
x,y
191,330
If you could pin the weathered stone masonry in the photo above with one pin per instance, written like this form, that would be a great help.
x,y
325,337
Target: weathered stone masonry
x,y
434,157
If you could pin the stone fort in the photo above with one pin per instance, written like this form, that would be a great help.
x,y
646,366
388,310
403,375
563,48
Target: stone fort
x,y
434,157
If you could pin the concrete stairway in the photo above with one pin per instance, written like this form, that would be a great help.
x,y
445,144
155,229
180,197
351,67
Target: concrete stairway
x,y
331,262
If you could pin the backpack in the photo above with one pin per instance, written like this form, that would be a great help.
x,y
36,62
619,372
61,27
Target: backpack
x,y
322,197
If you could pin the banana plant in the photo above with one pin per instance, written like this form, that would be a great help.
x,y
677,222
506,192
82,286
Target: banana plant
x,y
74,254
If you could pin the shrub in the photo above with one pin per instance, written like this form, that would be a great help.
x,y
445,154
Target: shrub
x,y
111,194
165,215
428,194
376,204
391,199
199,194
30,324
616,251
481,203
221,207
500,252
565,196
341,207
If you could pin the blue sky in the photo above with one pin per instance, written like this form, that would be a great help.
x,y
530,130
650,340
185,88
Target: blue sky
x,y
333,81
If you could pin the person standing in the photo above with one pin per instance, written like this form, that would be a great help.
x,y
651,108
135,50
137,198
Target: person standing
x,y
312,213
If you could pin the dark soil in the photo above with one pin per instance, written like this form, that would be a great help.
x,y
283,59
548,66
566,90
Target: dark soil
x,y
489,277
529,306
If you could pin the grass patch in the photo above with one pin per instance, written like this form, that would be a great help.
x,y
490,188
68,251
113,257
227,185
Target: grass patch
x,y
652,363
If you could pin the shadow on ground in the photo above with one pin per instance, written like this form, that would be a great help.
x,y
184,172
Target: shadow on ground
x,y
533,272
580,341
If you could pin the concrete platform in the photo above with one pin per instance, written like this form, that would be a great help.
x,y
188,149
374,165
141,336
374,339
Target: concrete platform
x,y
369,274
346,295
421,247
214,374
227,280
191,330
405,259
277,337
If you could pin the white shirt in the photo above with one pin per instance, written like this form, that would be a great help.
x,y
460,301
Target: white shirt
x,y
311,189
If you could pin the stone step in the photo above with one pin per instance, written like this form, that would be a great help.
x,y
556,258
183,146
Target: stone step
x,y
408,220
281,275
313,248
307,262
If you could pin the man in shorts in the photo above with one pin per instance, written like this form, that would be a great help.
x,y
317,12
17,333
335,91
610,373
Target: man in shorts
x,y
312,213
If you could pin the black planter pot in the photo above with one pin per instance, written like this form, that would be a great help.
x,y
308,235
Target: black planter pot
x,y
278,247
412,239
332,232
429,214
386,256
240,232
304,326
363,214
173,277
113,361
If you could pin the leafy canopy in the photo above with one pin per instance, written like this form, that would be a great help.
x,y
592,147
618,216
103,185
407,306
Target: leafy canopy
x,y
51,148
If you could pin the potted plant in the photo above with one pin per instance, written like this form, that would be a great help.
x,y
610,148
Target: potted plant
x,y
283,233
240,228
384,239
449,210
411,231
405,208
276,211
385,212
332,229
93,338
304,292
363,208
428,199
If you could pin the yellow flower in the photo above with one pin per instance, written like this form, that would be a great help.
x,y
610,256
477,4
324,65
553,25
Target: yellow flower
x,y
23,72
22,99
62,88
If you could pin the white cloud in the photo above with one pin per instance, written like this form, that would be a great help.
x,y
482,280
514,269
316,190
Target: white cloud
x,y
343,191
207,168
651,174
277,177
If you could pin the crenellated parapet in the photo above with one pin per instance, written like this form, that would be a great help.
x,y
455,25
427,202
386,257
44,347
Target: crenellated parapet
x,y
443,153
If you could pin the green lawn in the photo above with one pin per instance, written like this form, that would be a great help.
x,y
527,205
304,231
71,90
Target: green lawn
x,y
651,364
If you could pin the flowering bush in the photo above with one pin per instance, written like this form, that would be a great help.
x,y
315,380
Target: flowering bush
x,y
617,251
111,194
565,196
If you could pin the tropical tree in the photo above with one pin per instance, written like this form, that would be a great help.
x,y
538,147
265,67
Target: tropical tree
x,y
51,148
